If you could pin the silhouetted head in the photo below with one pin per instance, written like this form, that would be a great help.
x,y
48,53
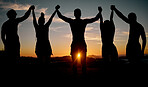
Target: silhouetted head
x,y
41,20
106,22
132,17
11,14
107,25
77,13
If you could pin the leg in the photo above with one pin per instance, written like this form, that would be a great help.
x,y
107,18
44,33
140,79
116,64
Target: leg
x,y
114,58
39,59
139,54
47,59
74,59
128,53
12,54
83,62
18,56
133,53
105,55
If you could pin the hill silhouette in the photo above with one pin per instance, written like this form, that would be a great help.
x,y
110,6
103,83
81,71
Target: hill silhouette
x,y
60,68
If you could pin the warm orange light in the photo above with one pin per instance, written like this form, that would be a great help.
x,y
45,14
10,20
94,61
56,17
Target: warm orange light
x,y
79,55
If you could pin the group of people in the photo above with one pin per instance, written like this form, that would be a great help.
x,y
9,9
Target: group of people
x,y
43,50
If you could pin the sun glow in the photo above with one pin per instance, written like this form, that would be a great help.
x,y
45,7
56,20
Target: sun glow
x,y
79,55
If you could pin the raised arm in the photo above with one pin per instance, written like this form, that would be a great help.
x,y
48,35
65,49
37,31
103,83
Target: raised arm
x,y
20,19
111,18
124,18
111,15
143,36
3,34
34,18
96,17
50,19
61,16
101,21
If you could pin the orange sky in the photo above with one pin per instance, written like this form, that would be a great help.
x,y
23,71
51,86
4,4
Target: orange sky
x,y
59,31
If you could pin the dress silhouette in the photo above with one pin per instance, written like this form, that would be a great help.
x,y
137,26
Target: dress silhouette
x,y
109,51
133,48
9,35
43,48
78,45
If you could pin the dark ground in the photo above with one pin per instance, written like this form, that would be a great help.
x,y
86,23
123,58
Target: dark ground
x,y
60,69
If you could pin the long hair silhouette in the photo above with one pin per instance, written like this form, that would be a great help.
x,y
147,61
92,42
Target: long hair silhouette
x,y
43,48
109,51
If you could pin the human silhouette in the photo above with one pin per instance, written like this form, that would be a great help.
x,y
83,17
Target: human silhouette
x,y
43,48
109,51
10,36
78,45
133,48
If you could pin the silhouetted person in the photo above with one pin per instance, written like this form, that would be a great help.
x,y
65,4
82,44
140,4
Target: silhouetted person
x,y
43,48
10,37
109,51
133,48
78,45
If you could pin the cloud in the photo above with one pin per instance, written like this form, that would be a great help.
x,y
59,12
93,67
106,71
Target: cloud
x,y
68,35
58,28
58,20
121,32
9,5
147,35
92,37
125,33
89,28
16,6
23,7
42,10
69,14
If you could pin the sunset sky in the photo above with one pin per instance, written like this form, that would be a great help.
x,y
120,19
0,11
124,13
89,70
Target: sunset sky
x,y
59,32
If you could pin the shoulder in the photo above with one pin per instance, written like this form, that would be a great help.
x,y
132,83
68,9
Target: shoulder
x,y
71,20
85,20
139,25
5,23
19,19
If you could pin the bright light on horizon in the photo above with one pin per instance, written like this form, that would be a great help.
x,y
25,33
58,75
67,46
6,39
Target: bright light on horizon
x,y
79,55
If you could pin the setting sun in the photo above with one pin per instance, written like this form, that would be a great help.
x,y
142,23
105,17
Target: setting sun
x,y
79,55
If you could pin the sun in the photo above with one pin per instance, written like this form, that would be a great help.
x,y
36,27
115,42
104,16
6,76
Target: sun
x,y
78,55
